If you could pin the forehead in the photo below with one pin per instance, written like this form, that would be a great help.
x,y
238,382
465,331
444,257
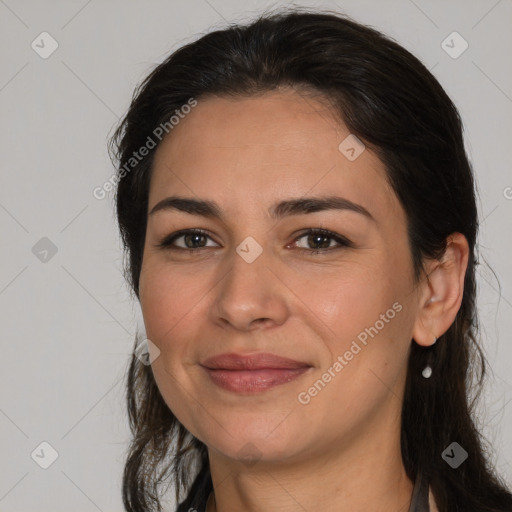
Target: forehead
x,y
249,152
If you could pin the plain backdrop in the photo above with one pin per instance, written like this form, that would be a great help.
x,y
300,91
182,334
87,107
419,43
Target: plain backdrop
x,y
68,322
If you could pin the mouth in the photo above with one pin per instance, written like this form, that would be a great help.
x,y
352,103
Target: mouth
x,y
249,374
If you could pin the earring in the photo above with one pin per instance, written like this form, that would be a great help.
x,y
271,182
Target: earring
x,y
427,371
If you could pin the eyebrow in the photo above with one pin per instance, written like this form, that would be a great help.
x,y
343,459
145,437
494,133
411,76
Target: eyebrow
x,y
300,206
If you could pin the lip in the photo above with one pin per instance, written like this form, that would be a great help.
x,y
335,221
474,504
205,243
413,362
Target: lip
x,y
252,373
258,361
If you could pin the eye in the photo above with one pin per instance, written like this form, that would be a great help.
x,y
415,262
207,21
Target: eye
x,y
323,238
192,239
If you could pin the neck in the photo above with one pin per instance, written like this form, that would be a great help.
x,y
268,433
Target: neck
x,y
365,474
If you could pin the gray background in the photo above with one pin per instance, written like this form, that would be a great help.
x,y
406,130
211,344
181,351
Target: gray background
x,y
68,322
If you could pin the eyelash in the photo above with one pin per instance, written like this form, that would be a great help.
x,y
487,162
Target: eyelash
x,y
167,242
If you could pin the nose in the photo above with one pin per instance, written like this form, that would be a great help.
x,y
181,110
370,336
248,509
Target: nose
x,y
250,296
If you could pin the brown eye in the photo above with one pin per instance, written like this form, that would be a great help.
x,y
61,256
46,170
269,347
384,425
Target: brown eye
x,y
192,239
321,241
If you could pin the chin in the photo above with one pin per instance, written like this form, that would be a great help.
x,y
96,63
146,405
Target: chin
x,y
249,442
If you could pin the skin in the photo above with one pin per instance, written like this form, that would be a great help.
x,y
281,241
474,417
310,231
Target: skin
x,y
341,451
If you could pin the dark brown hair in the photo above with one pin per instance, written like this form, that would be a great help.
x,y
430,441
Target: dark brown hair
x,y
388,98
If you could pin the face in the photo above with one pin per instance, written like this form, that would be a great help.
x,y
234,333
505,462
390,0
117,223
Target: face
x,y
260,277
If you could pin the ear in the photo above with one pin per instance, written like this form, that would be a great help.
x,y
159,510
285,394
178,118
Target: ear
x,y
442,291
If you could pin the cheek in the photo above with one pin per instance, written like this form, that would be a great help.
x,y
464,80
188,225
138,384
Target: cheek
x,y
347,302
367,324
367,345
166,298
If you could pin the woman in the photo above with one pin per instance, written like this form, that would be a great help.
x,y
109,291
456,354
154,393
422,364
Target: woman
x,y
299,216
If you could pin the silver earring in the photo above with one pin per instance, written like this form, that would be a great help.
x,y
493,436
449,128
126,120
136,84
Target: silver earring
x,y
427,371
